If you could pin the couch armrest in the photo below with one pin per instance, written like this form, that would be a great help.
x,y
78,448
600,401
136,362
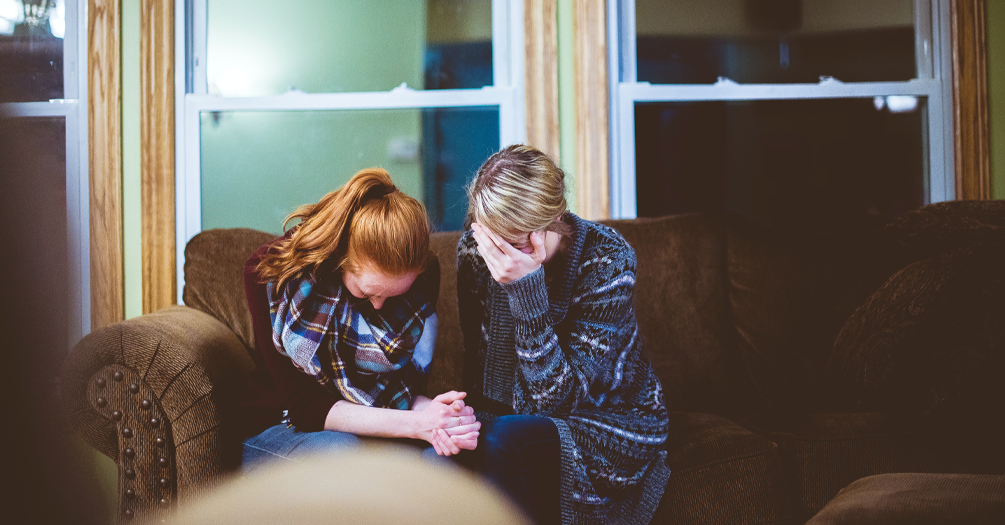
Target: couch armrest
x,y
152,394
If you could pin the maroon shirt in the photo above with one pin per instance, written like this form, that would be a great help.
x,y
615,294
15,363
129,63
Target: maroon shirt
x,y
276,384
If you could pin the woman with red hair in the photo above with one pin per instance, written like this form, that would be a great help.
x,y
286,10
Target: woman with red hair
x,y
343,308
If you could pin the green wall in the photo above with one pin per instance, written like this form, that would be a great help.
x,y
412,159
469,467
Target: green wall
x,y
996,94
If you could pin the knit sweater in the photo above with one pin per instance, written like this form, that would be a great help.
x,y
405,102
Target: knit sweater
x,y
568,348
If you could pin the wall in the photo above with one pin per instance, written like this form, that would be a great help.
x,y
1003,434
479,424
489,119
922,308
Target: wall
x,y
996,94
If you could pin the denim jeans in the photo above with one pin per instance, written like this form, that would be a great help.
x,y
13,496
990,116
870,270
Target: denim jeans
x,y
522,456
282,443
286,444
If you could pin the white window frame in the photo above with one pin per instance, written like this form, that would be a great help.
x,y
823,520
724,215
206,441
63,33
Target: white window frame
x,y
192,98
934,82
73,109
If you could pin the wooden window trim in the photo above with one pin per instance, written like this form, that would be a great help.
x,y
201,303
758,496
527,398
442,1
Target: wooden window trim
x,y
104,132
541,77
592,165
971,134
157,133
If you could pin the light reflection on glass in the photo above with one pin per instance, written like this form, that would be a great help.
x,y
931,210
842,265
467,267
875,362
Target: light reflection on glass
x,y
31,50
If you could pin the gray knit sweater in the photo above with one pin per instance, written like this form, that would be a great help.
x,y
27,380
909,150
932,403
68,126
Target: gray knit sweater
x,y
568,348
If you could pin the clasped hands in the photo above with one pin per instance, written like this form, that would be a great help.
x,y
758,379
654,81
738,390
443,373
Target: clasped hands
x,y
505,262
449,425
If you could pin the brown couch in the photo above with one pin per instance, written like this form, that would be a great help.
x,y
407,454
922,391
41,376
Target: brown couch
x,y
769,420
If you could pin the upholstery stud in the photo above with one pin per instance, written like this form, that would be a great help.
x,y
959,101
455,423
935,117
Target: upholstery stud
x,y
101,382
134,388
102,402
130,453
129,513
154,422
117,376
159,442
163,462
164,502
130,493
116,415
164,482
130,473
127,432
145,404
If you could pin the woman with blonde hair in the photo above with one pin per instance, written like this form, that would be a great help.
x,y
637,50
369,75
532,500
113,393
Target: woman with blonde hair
x,y
343,308
574,416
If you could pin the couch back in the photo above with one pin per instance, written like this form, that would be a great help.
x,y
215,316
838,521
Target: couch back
x,y
735,320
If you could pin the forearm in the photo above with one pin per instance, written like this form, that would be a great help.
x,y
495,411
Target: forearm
x,y
544,372
345,416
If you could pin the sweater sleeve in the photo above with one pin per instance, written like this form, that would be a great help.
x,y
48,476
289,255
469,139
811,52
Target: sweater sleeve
x,y
555,376
306,400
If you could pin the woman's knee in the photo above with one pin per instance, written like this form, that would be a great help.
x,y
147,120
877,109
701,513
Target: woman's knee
x,y
512,434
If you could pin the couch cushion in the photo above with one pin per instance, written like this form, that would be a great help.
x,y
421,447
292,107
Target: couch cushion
x,y
214,276
923,499
947,226
824,452
790,295
932,339
721,473
448,364
683,311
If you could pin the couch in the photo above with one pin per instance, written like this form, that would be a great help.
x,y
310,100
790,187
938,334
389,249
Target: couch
x,y
793,362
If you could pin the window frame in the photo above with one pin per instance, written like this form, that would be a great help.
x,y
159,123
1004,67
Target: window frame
x,y
75,117
507,93
933,38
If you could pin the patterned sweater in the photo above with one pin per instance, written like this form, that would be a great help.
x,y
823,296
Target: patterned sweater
x,y
569,349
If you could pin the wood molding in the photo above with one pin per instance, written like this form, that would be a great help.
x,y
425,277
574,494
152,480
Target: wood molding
x,y
592,146
104,133
971,139
157,155
541,35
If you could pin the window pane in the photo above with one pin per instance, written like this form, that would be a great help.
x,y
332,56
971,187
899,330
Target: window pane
x,y
259,47
774,41
257,167
814,162
33,204
31,50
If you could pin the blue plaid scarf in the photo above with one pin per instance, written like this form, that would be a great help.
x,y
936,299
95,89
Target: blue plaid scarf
x,y
352,349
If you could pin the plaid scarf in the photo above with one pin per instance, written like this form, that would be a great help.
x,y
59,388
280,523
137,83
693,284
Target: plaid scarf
x,y
349,347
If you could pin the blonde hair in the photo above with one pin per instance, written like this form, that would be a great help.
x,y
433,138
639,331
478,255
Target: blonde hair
x,y
366,222
518,190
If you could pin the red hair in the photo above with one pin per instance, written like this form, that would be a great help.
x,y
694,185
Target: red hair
x,y
366,223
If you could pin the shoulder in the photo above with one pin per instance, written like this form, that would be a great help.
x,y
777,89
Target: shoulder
x,y
604,248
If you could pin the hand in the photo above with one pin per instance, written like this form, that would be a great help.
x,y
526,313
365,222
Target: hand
x,y
506,263
448,424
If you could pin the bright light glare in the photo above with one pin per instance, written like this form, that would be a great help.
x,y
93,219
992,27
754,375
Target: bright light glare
x,y
901,103
11,13
57,19
879,103
233,82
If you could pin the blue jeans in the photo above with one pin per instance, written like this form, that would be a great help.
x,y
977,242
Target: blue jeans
x,y
522,456
286,444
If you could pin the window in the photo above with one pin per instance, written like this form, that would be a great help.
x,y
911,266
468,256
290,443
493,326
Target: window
x,y
781,110
283,102
43,190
